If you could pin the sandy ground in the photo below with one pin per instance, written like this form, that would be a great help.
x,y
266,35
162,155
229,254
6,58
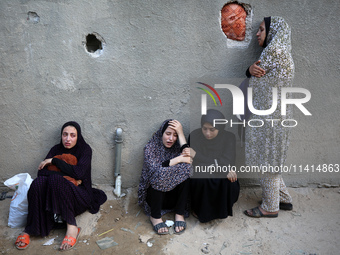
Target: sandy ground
x,y
313,227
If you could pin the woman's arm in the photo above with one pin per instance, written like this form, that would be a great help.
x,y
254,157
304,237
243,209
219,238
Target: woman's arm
x,y
63,166
83,167
77,172
44,163
183,158
177,126
180,159
255,70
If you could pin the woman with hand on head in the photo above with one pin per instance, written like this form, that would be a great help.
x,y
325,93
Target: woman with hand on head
x,y
164,182
213,194
267,145
62,190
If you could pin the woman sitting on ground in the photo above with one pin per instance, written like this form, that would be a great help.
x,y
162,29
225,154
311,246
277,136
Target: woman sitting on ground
x,y
62,190
214,191
164,182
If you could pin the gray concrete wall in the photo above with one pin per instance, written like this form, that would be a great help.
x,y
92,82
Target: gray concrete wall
x,y
154,53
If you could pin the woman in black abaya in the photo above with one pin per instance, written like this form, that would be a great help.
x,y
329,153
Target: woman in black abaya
x,y
212,194
62,190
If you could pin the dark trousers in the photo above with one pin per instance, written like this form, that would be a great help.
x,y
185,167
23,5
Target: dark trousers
x,y
175,199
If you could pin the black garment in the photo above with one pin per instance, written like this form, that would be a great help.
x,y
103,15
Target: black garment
x,y
220,150
176,199
213,198
51,194
267,21
248,73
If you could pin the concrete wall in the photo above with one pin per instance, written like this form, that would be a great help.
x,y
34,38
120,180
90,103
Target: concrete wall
x,y
154,52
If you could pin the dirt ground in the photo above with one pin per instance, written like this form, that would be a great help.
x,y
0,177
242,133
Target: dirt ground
x,y
313,227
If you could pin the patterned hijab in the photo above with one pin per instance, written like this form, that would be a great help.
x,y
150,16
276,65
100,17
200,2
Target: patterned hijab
x,y
277,60
269,143
154,174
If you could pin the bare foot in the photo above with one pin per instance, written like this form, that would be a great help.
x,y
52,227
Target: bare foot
x,y
72,231
179,217
155,221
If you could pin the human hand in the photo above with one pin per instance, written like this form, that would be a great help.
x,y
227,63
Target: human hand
x,y
256,71
177,126
232,176
44,163
180,159
186,152
185,159
189,152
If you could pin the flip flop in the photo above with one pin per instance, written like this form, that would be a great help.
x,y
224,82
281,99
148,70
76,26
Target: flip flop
x,y
256,213
159,226
180,224
70,241
25,238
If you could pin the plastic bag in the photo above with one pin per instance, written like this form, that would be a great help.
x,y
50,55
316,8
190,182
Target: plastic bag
x,y
19,205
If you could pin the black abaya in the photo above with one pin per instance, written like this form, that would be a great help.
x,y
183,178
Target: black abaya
x,y
211,197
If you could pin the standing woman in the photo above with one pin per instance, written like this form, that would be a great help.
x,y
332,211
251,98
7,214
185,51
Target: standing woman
x,y
164,182
62,190
267,145
213,197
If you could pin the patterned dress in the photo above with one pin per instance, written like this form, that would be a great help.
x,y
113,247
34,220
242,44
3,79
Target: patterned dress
x,y
161,178
268,144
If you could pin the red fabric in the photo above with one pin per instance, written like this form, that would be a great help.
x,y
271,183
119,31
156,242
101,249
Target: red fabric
x,y
233,21
69,159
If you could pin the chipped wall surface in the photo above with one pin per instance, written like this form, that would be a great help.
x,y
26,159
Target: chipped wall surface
x,y
154,53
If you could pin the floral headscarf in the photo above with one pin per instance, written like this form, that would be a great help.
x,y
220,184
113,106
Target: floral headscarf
x,y
154,174
277,61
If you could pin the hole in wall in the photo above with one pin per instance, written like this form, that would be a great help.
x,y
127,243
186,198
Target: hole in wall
x,y
33,17
236,20
94,44
233,21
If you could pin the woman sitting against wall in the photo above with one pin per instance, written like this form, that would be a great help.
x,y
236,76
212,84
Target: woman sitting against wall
x,y
214,191
164,182
62,190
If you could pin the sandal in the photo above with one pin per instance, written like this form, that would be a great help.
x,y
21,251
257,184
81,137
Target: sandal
x,y
286,206
180,224
23,238
158,226
256,213
70,241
